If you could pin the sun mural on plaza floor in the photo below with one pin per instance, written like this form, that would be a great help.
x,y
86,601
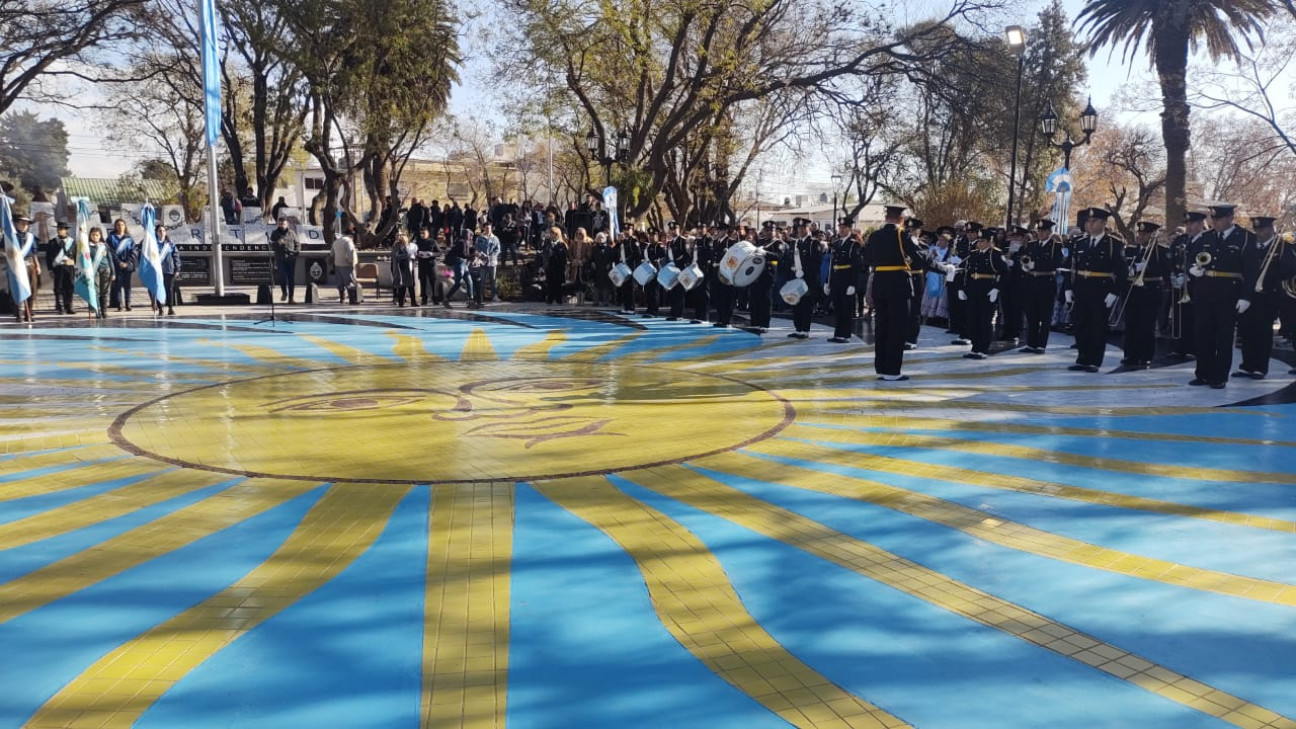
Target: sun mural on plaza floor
x,y
574,519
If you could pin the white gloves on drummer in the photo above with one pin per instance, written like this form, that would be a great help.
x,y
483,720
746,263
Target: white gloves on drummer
x,y
1069,295
827,290
1197,271
1111,300
962,295
1243,305
850,290
994,295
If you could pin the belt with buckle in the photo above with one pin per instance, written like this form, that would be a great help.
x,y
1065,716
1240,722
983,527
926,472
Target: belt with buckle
x,y
1095,274
982,276
1223,274
885,269
842,267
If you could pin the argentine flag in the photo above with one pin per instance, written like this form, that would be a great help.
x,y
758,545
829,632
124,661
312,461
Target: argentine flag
x,y
15,255
84,286
151,256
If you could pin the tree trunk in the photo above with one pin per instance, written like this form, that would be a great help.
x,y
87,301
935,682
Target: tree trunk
x,y
1172,69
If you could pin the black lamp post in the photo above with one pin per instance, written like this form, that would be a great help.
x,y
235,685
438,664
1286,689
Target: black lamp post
x,y
1016,38
622,152
836,183
1088,124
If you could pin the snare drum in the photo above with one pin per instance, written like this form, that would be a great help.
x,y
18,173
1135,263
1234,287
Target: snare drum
x,y
619,274
668,276
793,290
645,272
690,277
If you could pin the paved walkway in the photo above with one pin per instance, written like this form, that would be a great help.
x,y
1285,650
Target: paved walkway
x,y
564,518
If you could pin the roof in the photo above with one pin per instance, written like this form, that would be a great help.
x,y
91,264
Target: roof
x,y
111,192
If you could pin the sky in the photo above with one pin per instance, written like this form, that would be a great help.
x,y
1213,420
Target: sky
x,y
93,155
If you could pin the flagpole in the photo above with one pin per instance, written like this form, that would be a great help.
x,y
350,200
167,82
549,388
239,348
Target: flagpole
x,y
212,108
212,199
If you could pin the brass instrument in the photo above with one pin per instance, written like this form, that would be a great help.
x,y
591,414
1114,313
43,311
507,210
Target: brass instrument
x,y
1137,277
1025,260
1177,309
1203,259
1289,287
1268,260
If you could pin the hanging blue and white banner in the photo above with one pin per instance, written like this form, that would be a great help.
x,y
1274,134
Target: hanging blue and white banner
x,y
1059,183
610,206
211,67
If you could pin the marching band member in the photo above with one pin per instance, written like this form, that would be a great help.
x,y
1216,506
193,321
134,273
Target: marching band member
x,y
1265,265
888,253
1150,268
760,293
847,261
1215,285
680,252
984,274
722,292
958,324
706,257
1012,297
1099,271
810,252
1184,312
632,254
1039,262
918,267
654,253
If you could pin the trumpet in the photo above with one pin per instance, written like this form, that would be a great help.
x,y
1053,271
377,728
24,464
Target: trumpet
x,y
1026,261
1203,259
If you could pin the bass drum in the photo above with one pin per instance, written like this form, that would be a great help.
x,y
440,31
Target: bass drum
x,y
690,277
619,274
668,276
645,272
733,260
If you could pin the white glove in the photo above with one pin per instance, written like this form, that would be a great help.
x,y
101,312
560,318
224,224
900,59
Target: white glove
x,y
1179,280
1009,261
800,274
955,261
1110,301
1069,295
1243,305
850,290
1014,247
1140,266
994,295
962,295
827,290
1197,271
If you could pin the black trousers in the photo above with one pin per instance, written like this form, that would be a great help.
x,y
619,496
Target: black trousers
x,y
1089,319
1140,322
724,302
701,301
843,304
890,317
803,312
1186,342
759,298
427,280
1256,328
915,308
121,288
980,315
1040,296
676,298
652,298
626,295
957,310
64,276
1216,321
1012,298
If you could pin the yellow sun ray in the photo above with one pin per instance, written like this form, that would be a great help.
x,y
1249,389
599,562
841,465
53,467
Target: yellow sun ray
x,y
143,543
104,507
952,595
599,351
1040,455
539,351
466,624
695,601
76,477
478,348
1014,535
899,466
119,687
268,355
409,347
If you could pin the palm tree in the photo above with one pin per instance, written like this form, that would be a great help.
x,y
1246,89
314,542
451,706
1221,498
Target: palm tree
x,y
1170,30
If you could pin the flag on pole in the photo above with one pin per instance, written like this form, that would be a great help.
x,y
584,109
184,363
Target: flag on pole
x,y
610,205
211,71
151,256
1059,183
84,286
15,254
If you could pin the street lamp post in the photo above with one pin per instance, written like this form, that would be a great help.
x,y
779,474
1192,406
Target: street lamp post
x,y
594,144
1088,124
1016,38
836,183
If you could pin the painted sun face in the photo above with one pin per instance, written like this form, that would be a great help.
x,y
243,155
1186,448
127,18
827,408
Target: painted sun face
x,y
438,422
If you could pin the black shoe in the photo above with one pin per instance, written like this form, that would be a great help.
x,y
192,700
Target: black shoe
x,y
1217,386
896,378
909,346
794,335
1243,373
1078,368
961,342
672,318
1091,369
719,325
838,340
1197,382
695,321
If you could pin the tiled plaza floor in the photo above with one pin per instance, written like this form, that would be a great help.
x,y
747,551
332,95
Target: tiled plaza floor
x,y
569,519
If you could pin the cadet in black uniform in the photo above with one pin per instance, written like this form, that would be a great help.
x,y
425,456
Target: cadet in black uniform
x,y
760,294
810,252
679,252
1277,259
847,261
655,253
962,245
983,278
888,253
918,268
1039,263
1099,271
1150,268
705,256
632,255
721,292
1012,295
1215,285
1185,312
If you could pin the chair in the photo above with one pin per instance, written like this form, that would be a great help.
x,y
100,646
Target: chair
x,y
367,273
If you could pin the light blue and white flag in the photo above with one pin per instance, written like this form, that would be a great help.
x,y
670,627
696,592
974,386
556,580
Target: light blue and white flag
x,y
151,256
1059,183
15,251
84,285
610,205
211,70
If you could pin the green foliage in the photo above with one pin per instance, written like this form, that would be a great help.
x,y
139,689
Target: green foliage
x,y
33,153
